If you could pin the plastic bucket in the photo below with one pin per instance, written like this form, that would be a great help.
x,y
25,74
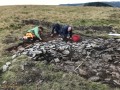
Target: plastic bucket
x,y
75,38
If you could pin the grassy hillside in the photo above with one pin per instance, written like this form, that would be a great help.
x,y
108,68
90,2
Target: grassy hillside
x,y
97,4
62,14
11,29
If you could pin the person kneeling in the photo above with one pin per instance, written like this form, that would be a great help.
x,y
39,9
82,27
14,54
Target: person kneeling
x,y
33,34
56,29
66,32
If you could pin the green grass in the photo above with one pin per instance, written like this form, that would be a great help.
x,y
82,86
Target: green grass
x,y
54,80
90,22
10,25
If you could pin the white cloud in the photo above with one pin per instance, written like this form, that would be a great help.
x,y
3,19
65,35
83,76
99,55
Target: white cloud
x,y
45,2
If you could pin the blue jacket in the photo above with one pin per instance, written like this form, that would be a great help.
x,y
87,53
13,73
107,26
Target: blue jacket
x,y
64,31
56,27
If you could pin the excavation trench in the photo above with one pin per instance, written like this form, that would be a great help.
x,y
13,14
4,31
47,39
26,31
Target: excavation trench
x,y
94,59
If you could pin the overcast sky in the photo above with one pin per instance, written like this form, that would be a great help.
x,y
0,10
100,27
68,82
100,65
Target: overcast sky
x,y
45,2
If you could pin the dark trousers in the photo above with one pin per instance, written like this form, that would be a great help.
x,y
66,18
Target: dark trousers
x,y
56,30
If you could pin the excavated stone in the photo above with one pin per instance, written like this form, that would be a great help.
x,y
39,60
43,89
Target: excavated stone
x,y
36,52
117,82
5,67
82,72
56,60
8,63
69,63
118,68
24,53
118,49
112,67
84,52
69,68
109,57
66,52
118,40
21,49
97,59
107,80
94,78
14,56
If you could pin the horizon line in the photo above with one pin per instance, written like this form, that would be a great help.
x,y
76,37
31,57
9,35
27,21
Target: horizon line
x,y
53,4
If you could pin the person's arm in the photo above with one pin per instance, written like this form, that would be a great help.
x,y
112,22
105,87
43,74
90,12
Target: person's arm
x,y
70,33
36,31
53,28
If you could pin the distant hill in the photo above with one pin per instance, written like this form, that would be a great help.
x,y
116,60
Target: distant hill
x,y
98,4
75,4
113,4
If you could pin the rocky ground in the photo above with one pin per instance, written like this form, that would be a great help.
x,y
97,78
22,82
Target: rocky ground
x,y
97,60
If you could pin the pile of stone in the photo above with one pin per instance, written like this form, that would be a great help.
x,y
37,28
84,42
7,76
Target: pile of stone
x,y
94,59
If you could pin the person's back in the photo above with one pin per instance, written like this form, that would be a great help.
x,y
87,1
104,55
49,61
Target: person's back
x,y
35,31
56,27
33,34
66,30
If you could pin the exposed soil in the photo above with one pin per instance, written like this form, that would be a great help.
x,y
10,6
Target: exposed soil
x,y
45,38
